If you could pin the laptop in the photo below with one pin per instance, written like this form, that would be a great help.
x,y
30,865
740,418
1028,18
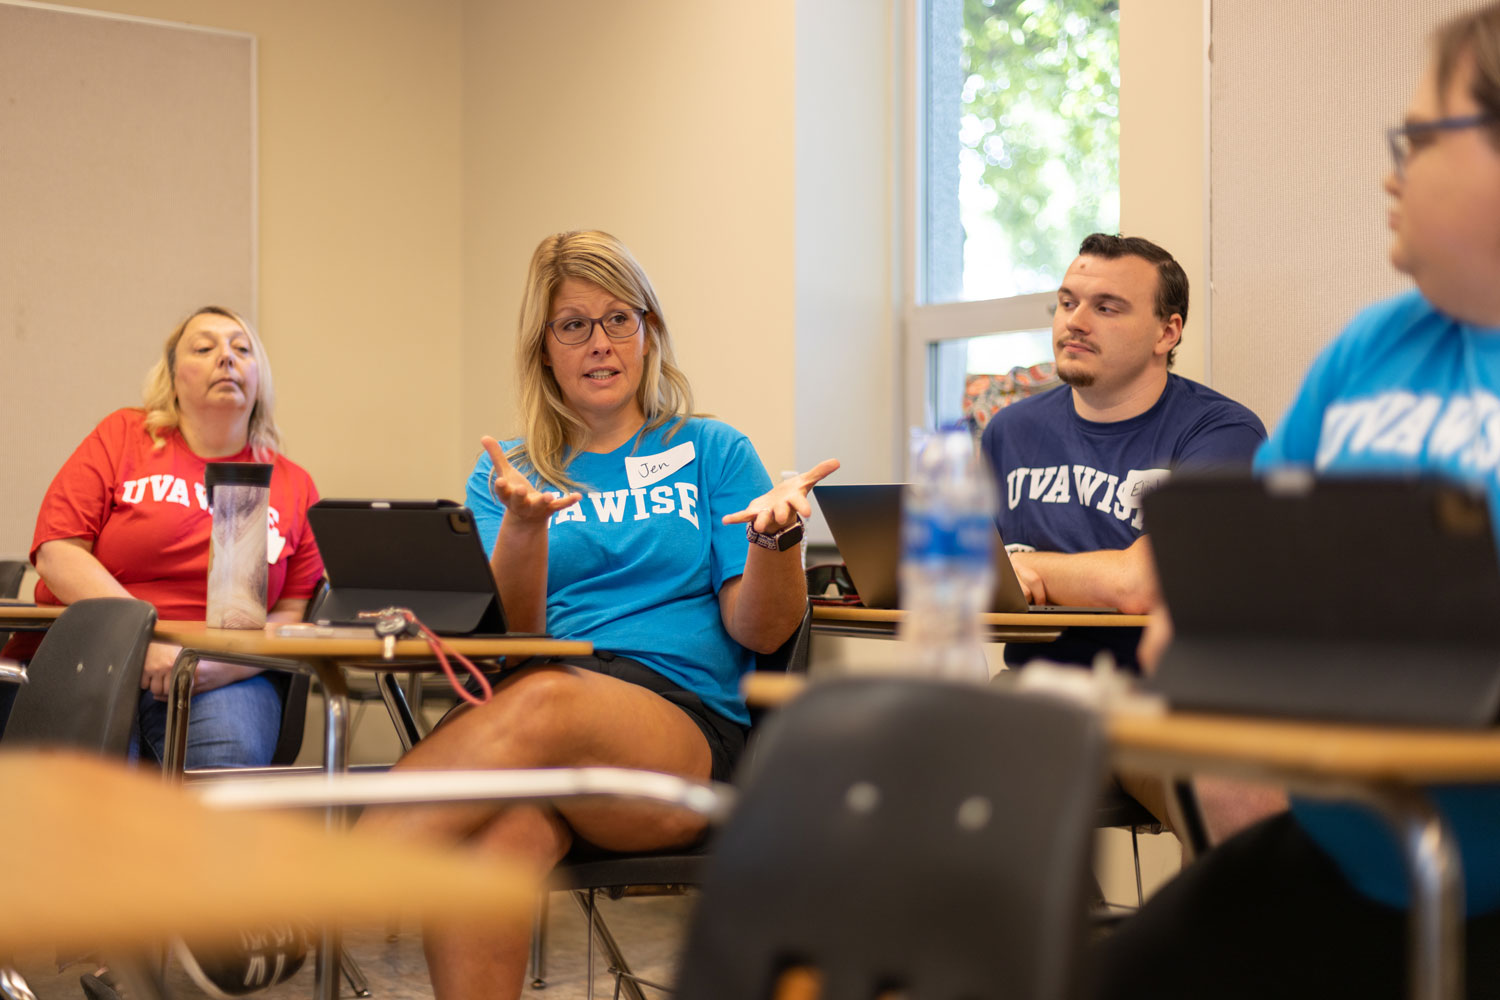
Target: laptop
x,y
866,524
419,554
1372,600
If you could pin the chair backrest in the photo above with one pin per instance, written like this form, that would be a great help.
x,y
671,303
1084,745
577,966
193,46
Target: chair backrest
x,y
293,688
908,835
12,572
791,656
85,679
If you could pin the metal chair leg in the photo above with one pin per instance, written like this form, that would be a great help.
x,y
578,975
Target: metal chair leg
x,y
539,944
600,931
590,913
352,974
1135,850
400,711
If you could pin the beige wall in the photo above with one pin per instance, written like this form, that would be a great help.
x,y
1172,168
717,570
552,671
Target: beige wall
x,y
674,131
360,231
91,280
847,400
411,155
1163,186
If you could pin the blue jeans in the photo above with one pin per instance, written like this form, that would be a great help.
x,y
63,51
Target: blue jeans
x,y
233,726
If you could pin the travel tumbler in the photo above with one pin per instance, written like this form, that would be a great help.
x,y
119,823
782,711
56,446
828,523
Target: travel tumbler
x,y
239,495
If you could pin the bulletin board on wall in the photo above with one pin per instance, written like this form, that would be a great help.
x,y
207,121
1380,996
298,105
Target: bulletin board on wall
x,y
1300,97
127,199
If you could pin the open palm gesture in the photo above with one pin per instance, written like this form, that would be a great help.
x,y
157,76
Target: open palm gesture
x,y
775,509
521,499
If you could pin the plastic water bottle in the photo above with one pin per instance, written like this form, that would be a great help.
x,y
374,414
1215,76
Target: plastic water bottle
x,y
947,567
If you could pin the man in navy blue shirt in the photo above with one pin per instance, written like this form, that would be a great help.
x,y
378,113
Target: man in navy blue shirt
x,y
1074,463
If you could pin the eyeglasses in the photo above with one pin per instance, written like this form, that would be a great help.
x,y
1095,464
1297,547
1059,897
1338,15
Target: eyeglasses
x,y
621,324
1407,139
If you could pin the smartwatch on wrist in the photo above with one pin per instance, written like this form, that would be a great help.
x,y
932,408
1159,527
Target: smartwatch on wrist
x,y
780,541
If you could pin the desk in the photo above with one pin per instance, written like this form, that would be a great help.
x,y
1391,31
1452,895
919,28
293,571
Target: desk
x,y
874,623
326,659
18,617
74,882
1383,766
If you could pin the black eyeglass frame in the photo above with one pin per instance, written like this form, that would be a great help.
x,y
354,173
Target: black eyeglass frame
x,y
1395,135
639,314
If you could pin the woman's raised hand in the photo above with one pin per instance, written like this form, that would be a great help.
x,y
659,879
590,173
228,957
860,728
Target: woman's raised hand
x,y
774,510
521,499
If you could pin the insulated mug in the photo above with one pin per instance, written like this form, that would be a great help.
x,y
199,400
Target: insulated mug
x,y
239,496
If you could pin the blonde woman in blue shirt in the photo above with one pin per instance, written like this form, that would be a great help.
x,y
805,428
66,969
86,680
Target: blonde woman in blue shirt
x,y
617,517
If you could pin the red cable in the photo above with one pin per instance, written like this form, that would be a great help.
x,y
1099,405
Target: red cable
x,y
437,644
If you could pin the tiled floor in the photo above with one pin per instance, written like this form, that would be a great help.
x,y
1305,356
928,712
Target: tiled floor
x,y
648,929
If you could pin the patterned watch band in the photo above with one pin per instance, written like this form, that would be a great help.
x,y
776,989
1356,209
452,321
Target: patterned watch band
x,y
780,541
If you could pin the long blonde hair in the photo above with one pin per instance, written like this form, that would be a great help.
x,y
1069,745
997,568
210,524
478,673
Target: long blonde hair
x,y
160,393
551,432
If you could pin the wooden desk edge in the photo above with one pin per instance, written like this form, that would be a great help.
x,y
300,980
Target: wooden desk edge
x,y
1276,750
1283,750
1038,619
261,642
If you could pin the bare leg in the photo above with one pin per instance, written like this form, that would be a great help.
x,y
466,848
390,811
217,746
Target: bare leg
x,y
546,717
465,960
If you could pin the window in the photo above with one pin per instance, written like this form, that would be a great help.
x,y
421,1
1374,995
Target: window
x,y
1015,159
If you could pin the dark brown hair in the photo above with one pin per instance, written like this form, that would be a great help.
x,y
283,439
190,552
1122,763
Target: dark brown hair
x,y
1171,280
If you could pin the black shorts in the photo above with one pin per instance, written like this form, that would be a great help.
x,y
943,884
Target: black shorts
x,y
726,738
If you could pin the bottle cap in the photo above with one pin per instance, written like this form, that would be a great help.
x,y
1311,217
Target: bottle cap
x,y
235,474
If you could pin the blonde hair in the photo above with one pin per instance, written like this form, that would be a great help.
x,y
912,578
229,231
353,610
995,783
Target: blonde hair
x,y
551,432
160,394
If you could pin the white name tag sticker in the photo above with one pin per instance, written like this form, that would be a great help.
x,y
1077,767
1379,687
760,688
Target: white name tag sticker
x,y
643,470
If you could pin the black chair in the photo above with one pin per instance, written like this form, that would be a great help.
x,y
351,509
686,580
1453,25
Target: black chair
x,y
922,837
80,690
84,681
12,572
293,689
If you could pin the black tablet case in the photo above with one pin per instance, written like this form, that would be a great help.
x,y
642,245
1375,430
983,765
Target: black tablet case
x,y
419,554
1371,600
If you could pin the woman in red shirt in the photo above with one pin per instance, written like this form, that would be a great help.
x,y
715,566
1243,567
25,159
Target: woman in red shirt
x,y
127,516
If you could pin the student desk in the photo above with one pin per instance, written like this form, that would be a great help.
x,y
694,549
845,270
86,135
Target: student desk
x,y
326,659
16,616
875,623
1383,766
165,864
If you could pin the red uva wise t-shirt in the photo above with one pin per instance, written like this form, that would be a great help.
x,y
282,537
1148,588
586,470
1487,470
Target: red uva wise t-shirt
x,y
145,510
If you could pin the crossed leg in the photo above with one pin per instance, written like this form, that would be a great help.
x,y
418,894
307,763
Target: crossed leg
x,y
548,716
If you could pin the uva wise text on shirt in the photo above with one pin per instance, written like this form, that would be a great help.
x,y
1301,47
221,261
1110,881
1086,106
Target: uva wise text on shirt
x,y
1086,486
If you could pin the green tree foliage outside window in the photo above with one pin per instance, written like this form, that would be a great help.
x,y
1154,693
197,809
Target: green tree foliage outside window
x,y
1041,101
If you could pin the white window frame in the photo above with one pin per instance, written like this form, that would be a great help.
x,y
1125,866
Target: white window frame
x,y
925,326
